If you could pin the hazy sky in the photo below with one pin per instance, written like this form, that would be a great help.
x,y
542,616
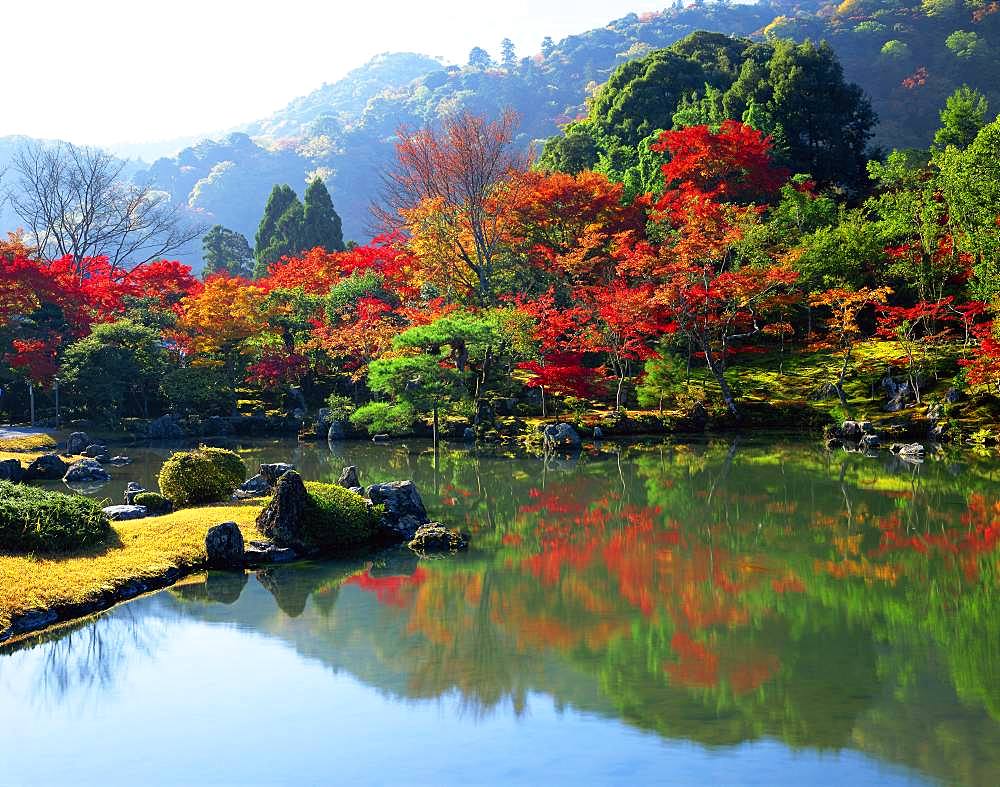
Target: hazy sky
x,y
109,71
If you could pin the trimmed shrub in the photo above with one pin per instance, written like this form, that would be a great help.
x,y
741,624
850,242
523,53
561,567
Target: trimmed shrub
x,y
154,503
337,517
206,475
33,520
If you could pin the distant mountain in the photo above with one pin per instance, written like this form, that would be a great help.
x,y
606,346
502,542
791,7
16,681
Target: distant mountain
x,y
907,55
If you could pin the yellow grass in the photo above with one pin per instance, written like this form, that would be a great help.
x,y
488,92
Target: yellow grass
x,y
27,444
143,548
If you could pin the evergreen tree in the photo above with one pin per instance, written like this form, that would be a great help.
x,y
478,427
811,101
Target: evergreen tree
x,y
480,58
963,116
548,46
321,224
508,56
280,228
226,251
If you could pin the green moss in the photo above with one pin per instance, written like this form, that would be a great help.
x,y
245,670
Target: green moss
x,y
206,475
33,520
336,517
154,503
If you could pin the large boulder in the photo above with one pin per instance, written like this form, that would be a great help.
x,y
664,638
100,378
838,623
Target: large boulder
x,y
336,431
281,520
912,452
272,472
404,510
435,537
11,470
121,513
86,471
166,427
96,451
47,467
224,546
252,487
77,442
561,437
899,395
855,430
349,478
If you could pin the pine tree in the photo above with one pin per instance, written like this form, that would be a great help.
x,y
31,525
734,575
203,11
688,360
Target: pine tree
x,y
226,251
280,229
548,46
480,58
321,224
508,56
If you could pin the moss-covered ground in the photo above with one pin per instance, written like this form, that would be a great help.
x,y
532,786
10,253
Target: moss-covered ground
x,y
138,549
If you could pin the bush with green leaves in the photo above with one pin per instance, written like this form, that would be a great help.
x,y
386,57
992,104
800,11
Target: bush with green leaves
x,y
154,503
34,520
336,517
199,390
205,475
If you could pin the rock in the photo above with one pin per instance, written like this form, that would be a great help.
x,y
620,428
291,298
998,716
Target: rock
x,y
48,467
869,441
380,438
469,434
935,411
96,450
561,437
598,433
77,442
86,471
272,472
260,553
166,427
435,537
252,487
281,519
898,395
952,395
119,461
938,433
349,478
336,431
911,451
131,490
121,513
404,510
298,413
224,546
11,470
855,430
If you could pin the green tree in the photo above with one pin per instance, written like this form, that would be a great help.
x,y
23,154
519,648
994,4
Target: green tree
x,y
115,371
962,118
226,251
321,224
508,55
280,229
572,152
965,44
480,58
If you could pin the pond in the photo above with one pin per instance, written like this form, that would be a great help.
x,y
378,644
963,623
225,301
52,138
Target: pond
x,y
726,612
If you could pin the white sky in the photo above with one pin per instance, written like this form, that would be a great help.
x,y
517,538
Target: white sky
x,y
112,71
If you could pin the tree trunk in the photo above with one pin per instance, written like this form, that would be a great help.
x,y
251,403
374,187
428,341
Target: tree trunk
x,y
542,389
435,428
720,378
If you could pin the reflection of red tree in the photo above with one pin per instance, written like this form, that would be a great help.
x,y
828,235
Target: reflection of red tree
x,y
394,591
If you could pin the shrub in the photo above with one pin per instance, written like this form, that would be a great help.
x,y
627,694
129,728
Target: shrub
x,y
207,475
33,520
198,390
337,517
154,503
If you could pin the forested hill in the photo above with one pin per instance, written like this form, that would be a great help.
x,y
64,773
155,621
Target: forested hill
x,y
907,56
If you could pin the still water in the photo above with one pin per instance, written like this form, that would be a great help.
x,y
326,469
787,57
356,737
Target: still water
x,y
727,613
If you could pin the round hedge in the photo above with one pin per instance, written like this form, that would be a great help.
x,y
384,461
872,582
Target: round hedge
x,y
154,503
206,475
337,517
33,520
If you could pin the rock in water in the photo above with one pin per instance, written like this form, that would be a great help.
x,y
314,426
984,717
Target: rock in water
x,y
908,451
77,442
854,430
561,437
11,470
404,510
96,451
86,471
336,431
273,472
121,513
252,487
349,478
131,491
224,546
46,468
435,537
281,520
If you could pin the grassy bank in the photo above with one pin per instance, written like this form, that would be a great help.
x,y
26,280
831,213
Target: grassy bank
x,y
25,447
138,550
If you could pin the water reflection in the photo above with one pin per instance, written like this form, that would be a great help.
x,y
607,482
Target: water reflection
x,y
718,593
